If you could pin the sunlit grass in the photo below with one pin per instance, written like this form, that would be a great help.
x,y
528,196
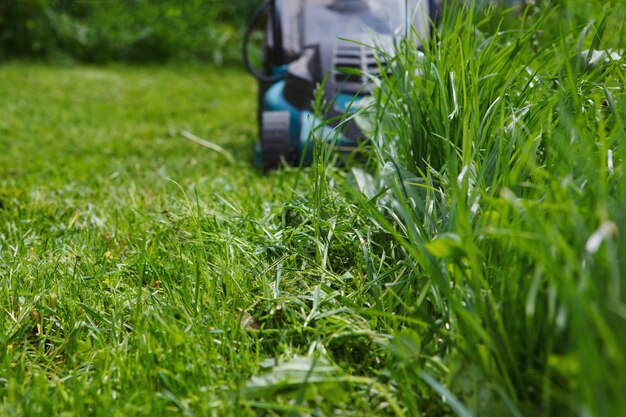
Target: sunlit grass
x,y
474,265
498,171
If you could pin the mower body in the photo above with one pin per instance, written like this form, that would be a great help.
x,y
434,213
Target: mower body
x,y
309,43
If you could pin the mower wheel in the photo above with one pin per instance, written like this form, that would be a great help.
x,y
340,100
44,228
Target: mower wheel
x,y
275,143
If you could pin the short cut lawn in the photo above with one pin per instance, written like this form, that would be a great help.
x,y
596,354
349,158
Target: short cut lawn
x,y
124,287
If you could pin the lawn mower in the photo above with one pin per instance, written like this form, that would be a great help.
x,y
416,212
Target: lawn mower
x,y
309,43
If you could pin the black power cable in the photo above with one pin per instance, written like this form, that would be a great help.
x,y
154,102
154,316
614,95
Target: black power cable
x,y
276,38
277,35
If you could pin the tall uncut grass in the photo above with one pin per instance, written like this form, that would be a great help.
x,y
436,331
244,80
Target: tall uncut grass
x,y
497,179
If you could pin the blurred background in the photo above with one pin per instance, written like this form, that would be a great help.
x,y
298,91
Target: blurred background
x,y
131,31
123,30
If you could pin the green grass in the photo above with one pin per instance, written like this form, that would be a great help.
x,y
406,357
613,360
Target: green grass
x,y
119,291
472,266
143,274
498,170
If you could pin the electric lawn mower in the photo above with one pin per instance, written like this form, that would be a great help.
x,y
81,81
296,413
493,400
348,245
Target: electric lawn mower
x,y
309,41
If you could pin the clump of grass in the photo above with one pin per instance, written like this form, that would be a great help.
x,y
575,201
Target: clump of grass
x,y
499,181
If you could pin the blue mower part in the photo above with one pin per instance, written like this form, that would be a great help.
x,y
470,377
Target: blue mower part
x,y
286,131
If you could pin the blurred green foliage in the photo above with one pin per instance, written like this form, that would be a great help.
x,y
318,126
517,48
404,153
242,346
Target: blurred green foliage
x,y
101,31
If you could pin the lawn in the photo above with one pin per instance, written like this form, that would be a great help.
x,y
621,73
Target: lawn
x,y
144,274
471,264
120,289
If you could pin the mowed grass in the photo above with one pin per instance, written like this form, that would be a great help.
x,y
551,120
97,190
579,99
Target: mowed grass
x,y
143,274
120,292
